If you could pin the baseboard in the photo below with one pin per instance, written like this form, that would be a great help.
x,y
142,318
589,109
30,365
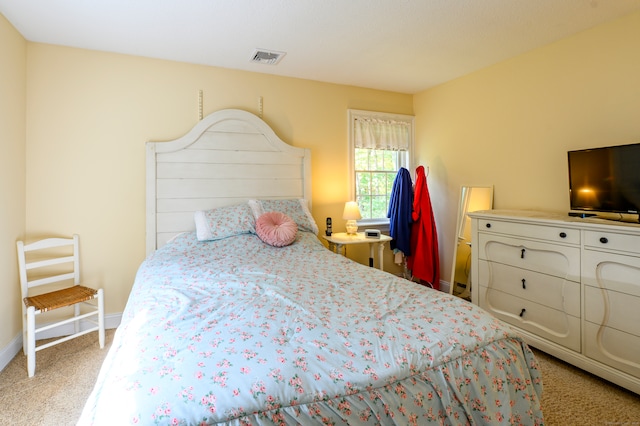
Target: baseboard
x,y
11,350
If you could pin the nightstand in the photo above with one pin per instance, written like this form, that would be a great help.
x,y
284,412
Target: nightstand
x,y
339,240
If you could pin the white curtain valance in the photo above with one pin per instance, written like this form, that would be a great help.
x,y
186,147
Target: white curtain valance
x,y
376,133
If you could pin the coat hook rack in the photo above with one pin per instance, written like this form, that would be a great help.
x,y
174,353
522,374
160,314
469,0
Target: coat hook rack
x,y
260,106
200,104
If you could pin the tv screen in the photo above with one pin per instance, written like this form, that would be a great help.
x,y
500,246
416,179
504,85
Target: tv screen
x,y
605,179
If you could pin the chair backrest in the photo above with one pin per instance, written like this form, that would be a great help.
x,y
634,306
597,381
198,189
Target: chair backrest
x,y
48,261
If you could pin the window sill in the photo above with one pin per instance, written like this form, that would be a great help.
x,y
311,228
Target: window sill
x,y
380,224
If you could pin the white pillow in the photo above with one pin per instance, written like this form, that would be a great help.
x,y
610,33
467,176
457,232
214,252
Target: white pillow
x,y
224,222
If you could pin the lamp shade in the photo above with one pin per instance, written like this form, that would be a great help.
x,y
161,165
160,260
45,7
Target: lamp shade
x,y
351,211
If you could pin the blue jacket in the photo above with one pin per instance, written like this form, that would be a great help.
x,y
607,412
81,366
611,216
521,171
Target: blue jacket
x,y
399,214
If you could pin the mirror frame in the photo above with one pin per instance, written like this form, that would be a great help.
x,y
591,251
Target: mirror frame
x,y
467,204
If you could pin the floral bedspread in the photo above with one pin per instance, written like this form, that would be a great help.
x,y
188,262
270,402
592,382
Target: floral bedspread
x,y
238,332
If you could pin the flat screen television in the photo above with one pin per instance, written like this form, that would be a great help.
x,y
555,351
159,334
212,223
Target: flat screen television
x,y
605,179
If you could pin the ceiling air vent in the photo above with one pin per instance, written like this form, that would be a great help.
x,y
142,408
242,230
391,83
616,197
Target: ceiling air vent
x,y
269,57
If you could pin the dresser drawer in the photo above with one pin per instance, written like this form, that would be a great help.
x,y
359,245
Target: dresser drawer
x,y
613,309
554,292
551,259
552,324
612,272
613,347
629,244
556,234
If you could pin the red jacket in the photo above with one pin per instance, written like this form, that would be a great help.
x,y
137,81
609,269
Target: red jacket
x,y
424,261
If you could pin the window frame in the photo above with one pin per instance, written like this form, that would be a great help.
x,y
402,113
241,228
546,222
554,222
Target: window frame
x,y
353,115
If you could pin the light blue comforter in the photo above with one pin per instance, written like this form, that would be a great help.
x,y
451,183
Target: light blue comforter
x,y
239,332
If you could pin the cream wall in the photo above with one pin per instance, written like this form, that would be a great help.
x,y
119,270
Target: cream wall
x,y
511,125
90,114
13,61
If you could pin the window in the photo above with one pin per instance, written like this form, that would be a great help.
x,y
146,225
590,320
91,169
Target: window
x,y
379,144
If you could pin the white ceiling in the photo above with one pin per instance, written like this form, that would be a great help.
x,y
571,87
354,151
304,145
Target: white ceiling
x,y
399,45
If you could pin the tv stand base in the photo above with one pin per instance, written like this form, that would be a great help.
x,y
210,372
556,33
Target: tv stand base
x,y
582,215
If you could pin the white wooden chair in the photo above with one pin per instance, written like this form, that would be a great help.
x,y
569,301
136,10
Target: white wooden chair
x,y
43,264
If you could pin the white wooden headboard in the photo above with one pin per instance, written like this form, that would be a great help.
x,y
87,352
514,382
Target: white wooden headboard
x,y
229,157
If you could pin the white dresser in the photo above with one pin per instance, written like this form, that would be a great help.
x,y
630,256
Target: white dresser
x,y
570,286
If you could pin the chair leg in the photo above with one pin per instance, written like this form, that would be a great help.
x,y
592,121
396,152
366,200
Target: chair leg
x,y
101,317
31,341
76,313
24,330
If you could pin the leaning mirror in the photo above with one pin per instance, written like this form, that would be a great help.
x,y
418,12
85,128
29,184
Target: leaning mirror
x,y
472,198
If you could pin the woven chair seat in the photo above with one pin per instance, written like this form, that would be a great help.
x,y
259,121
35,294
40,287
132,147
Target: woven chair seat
x,y
60,298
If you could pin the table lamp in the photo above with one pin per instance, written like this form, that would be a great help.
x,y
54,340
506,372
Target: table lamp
x,y
351,214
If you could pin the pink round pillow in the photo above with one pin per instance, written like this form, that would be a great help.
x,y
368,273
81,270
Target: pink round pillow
x,y
276,229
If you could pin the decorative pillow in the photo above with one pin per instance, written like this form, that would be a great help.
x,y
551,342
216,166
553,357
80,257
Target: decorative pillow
x,y
295,208
224,222
276,229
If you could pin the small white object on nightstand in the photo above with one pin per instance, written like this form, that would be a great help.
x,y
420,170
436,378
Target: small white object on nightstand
x,y
372,233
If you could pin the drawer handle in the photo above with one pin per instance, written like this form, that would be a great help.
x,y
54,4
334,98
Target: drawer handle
x,y
524,286
604,240
522,253
488,225
522,312
563,235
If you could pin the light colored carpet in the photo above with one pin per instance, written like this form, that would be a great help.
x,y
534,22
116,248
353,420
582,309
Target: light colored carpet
x,y
64,378
573,397
65,375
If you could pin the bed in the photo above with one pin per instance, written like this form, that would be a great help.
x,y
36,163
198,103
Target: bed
x,y
222,327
